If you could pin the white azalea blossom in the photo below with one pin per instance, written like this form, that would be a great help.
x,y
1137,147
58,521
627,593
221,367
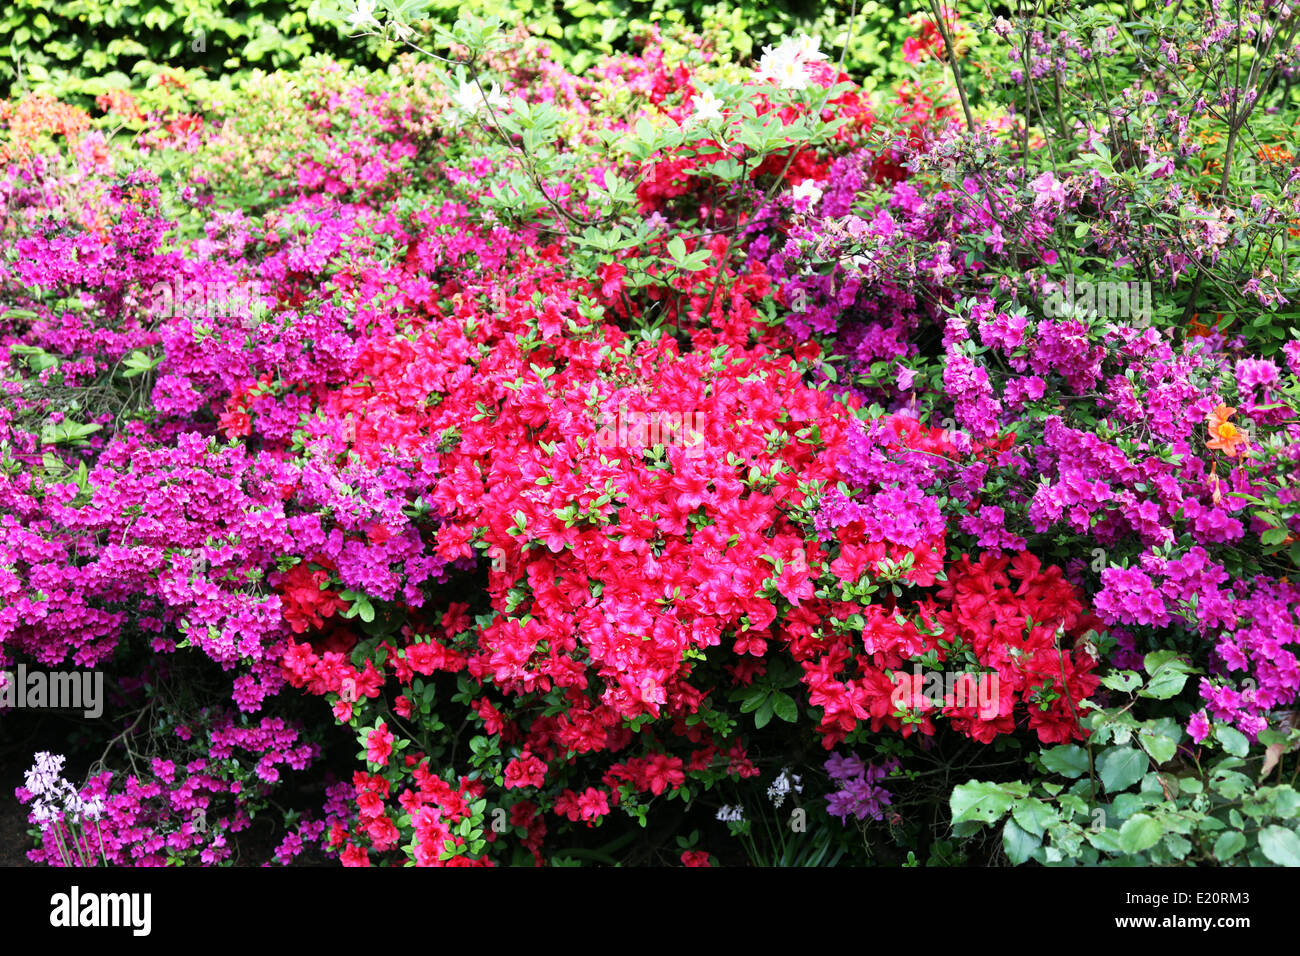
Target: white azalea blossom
x,y
363,15
809,190
470,98
787,64
782,66
809,49
707,107
792,75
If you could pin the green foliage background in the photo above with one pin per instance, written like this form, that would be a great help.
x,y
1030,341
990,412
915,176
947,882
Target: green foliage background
x,y
79,49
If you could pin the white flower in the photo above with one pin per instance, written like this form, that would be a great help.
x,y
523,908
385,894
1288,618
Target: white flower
x,y
363,15
731,814
782,66
470,98
45,778
787,72
809,49
93,808
809,190
707,107
782,785
792,76
786,64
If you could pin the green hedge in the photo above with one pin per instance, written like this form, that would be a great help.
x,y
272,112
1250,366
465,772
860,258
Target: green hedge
x,y
80,48
85,46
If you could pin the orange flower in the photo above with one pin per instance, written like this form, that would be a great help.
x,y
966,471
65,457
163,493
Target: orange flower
x,y
1274,154
1198,328
1225,436
34,115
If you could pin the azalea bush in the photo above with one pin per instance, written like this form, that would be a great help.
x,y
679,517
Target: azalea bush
x,y
696,456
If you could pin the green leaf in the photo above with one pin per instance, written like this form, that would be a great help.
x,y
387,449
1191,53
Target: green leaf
x,y
1073,803
1121,767
1160,738
1123,681
1280,845
1228,845
1158,659
645,131
783,706
984,802
1284,800
1140,832
1106,840
1034,816
1230,784
1017,844
763,714
1272,536
1161,749
1178,846
1233,740
1127,804
1068,760
1167,682
138,362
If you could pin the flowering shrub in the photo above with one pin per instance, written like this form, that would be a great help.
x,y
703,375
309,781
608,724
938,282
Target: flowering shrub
x,y
514,454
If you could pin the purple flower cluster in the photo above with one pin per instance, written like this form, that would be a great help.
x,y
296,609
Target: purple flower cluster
x,y
860,794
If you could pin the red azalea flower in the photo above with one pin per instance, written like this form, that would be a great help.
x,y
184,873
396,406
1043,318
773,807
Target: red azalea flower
x,y
592,804
379,744
355,856
525,770
235,422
